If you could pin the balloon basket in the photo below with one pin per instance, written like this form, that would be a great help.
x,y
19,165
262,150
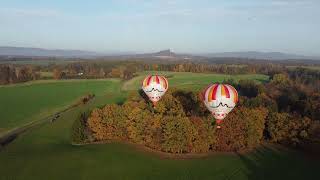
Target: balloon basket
x,y
218,122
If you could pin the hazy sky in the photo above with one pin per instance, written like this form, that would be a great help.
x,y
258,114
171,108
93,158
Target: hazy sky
x,y
183,25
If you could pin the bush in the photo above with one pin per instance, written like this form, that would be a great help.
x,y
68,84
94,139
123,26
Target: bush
x,y
203,135
249,88
108,123
79,132
177,134
286,129
191,103
241,129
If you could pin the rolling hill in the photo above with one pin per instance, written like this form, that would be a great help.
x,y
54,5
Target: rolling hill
x,y
163,54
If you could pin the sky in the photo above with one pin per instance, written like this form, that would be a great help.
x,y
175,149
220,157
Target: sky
x,y
197,26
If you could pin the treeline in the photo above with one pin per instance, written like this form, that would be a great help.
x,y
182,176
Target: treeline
x,y
305,77
87,70
92,69
293,108
282,94
127,69
14,74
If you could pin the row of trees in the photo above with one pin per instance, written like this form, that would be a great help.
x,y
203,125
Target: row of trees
x,y
294,107
123,70
14,74
127,69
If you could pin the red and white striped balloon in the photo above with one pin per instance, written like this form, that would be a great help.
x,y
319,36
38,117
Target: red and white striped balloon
x,y
155,87
220,99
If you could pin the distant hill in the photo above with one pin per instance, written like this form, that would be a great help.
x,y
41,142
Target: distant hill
x,y
260,55
25,51
164,54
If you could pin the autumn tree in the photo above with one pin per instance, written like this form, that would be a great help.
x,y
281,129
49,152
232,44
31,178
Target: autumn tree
x,y
57,74
284,128
241,129
177,134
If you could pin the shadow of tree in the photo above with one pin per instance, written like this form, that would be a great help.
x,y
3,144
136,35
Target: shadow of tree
x,y
143,95
191,103
269,162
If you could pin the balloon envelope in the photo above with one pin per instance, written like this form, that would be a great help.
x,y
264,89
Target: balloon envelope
x,y
155,87
220,99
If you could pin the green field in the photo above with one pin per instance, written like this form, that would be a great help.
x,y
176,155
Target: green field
x,y
315,67
23,103
40,62
46,75
46,153
195,81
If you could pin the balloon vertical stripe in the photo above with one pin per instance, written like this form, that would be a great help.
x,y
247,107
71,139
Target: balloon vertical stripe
x,y
210,94
157,80
203,93
235,94
148,80
223,91
214,92
145,81
226,91
164,81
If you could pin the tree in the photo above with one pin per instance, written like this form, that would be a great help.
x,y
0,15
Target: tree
x,y
203,135
284,128
176,134
101,72
281,79
57,74
79,131
115,72
241,129
249,88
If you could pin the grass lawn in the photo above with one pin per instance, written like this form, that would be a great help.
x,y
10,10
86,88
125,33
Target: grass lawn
x,y
22,103
315,67
46,75
196,81
46,153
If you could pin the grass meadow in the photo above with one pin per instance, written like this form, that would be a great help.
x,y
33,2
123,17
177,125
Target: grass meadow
x,y
196,81
22,103
45,152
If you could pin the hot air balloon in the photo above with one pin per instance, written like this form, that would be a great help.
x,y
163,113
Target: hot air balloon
x,y
155,87
220,99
